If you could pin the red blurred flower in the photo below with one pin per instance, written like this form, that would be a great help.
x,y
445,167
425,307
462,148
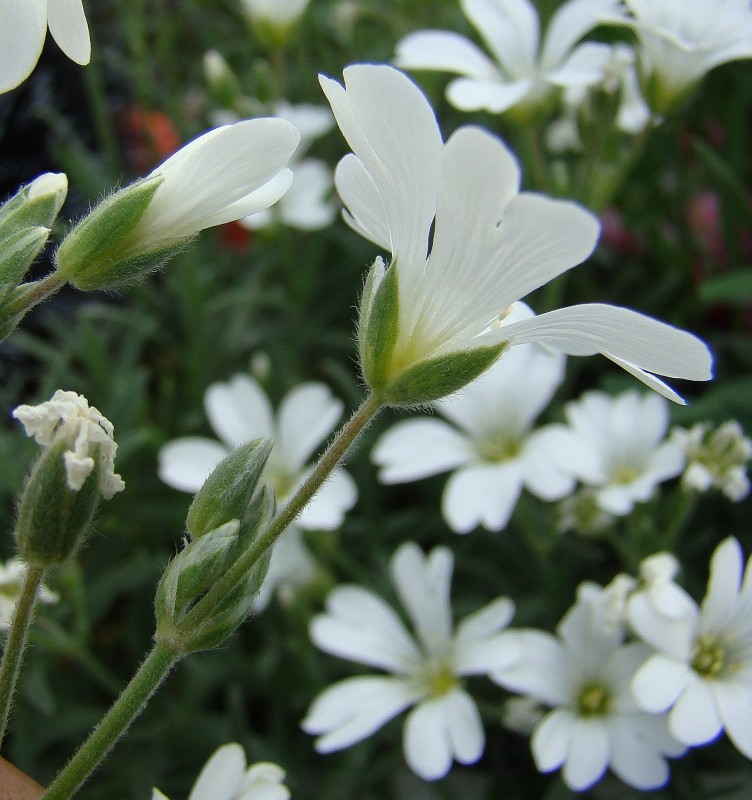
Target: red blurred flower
x,y
149,137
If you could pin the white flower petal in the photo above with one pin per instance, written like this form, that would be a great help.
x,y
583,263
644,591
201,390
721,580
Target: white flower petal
x,y
584,66
23,27
252,203
632,758
589,751
419,448
735,708
510,28
473,94
721,598
694,719
335,497
551,739
306,416
569,24
481,495
365,211
186,463
481,657
362,627
353,709
659,682
485,622
69,29
238,410
221,776
544,463
307,204
444,50
464,726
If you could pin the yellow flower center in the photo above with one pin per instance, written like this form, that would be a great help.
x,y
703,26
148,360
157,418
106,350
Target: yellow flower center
x,y
501,447
708,656
594,700
624,474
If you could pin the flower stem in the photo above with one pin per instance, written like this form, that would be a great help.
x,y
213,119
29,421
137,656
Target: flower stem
x,y
114,724
14,647
205,608
35,293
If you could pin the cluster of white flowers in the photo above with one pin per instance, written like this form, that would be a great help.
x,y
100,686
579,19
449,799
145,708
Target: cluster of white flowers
x,y
68,417
225,776
239,411
635,675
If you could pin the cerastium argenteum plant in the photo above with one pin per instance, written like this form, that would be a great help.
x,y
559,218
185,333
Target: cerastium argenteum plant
x,y
460,246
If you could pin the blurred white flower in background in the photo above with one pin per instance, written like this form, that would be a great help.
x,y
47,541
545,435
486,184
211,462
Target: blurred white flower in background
x,y
239,411
702,671
489,442
225,776
525,70
23,28
12,574
584,674
426,670
620,447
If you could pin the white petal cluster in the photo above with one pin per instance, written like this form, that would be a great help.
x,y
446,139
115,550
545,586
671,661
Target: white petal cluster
x,y
620,448
584,674
488,441
716,458
12,574
23,28
466,243
279,12
225,776
426,668
702,670
68,417
221,176
240,411
681,40
524,68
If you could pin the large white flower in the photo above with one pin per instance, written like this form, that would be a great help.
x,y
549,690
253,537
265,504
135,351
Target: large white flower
x,y
23,27
620,447
585,675
12,574
239,411
703,668
465,245
681,40
226,777
489,442
525,70
426,671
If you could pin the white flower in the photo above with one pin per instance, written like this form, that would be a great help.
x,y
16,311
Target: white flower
x,y
239,411
68,417
226,777
23,27
279,12
12,574
223,175
703,668
489,443
716,458
525,70
620,447
426,672
491,245
584,674
681,40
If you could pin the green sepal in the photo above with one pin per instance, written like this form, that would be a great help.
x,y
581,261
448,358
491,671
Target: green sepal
x,y
10,303
435,378
53,520
378,323
23,211
100,251
227,492
16,255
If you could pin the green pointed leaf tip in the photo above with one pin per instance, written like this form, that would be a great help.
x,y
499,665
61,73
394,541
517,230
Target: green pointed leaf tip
x,y
53,520
99,252
378,323
17,253
227,493
435,378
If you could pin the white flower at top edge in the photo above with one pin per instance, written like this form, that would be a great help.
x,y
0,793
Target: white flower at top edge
x,y
525,70
23,28
239,411
225,776
68,417
681,40
12,574
620,448
584,674
490,244
489,442
426,669
702,671
279,12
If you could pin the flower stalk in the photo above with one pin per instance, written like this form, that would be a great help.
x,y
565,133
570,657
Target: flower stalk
x,y
16,642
